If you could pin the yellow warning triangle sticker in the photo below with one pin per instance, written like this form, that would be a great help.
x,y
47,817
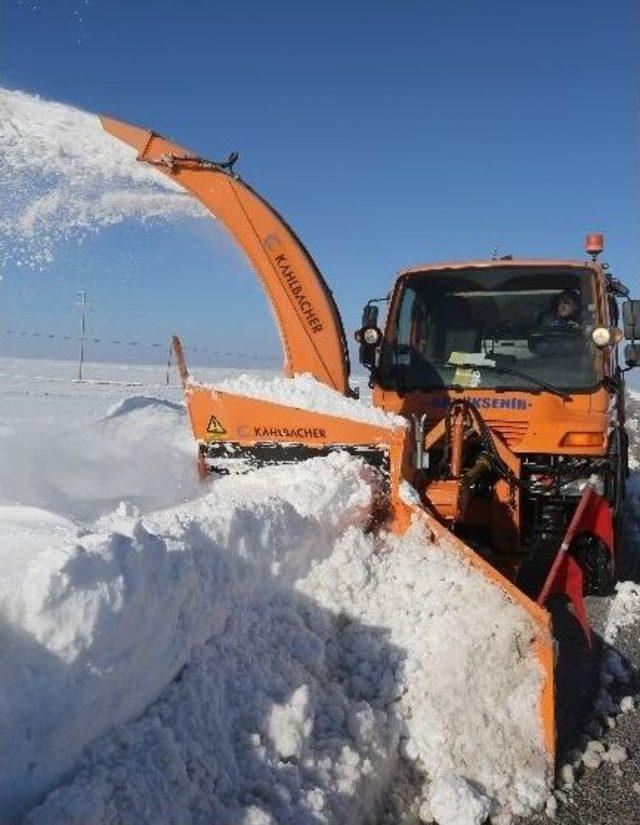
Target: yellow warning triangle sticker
x,y
215,427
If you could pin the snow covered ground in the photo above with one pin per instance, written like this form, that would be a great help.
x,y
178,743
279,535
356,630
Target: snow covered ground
x,y
79,449
239,652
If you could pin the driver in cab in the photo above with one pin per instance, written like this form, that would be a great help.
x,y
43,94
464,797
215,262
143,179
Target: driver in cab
x,y
564,314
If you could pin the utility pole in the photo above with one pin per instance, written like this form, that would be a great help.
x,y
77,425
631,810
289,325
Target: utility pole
x,y
82,303
169,362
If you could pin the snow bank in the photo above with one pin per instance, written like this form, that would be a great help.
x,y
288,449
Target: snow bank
x,y
62,176
141,452
96,624
294,712
276,658
467,680
305,393
259,729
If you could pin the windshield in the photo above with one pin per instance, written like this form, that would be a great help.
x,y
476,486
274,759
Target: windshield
x,y
511,327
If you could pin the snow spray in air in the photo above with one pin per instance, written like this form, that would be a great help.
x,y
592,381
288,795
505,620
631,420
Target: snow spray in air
x,y
62,176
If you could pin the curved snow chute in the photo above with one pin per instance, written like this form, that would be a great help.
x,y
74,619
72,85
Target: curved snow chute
x,y
308,319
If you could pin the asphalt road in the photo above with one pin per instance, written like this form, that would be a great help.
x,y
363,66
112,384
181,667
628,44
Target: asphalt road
x,y
606,795
610,793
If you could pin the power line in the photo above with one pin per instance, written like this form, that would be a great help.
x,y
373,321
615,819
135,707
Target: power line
x,y
119,342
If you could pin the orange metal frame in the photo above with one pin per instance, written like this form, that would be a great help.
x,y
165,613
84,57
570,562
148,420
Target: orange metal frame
x,y
308,319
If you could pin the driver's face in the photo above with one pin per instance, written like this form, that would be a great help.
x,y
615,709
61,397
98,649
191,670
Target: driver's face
x,y
566,307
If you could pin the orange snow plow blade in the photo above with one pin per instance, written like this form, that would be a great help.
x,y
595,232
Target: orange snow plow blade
x,y
542,639
228,426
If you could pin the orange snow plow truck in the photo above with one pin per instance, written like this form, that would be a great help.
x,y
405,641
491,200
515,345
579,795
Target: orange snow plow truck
x,y
508,435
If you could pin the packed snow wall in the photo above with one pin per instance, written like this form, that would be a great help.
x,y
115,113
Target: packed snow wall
x,y
251,652
96,623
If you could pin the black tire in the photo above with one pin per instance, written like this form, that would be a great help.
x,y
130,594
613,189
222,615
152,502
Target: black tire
x,y
627,548
615,479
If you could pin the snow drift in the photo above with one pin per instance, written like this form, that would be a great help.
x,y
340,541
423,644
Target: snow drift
x,y
140,452
293,709
244,651
252,654
95,624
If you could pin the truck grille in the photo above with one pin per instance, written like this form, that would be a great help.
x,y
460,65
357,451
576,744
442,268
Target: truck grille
x,y
511,431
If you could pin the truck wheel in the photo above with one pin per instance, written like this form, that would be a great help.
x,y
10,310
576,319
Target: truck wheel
x,y
627,550
615,480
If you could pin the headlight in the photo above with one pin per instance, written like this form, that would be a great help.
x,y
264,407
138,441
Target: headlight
x,y
582,439
371,335
601,336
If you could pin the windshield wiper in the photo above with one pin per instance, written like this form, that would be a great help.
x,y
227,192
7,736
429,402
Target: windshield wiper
x,y
511,371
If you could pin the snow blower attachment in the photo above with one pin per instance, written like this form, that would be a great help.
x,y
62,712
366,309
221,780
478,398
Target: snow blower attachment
x,y
498,416
236,433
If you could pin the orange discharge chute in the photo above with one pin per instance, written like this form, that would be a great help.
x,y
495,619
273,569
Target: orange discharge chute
x,y
231,426
308,319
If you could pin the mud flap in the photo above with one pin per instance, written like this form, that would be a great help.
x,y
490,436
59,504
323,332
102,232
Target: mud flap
x,y
592,515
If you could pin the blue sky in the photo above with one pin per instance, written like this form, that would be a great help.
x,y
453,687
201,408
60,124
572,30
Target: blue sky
x,y
387,133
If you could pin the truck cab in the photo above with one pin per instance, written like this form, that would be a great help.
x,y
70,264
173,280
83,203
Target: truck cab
x,y
489,331
495,337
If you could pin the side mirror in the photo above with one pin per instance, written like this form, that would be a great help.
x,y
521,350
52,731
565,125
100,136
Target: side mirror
x,y
631,320
370,315
617,288
632,355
